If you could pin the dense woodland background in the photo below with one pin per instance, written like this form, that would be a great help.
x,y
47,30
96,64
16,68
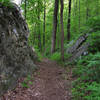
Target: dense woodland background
x,y
55,25
56,22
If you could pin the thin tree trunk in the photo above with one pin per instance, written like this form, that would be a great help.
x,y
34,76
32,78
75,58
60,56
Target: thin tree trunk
x,y
97,7
62,30
74,8
87,13
34,33
69,22
25,8
58,37
44,24
79,15
39,34
53,45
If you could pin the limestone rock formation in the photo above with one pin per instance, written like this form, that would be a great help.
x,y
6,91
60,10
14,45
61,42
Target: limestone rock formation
x,y
16,57
79,47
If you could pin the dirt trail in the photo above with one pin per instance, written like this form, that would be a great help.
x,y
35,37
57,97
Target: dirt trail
x,y
51,82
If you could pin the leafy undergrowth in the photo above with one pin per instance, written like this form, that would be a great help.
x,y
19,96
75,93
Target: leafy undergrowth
x,y
27,81
87,84
57,57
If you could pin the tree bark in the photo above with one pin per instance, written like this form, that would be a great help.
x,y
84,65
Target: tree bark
x,y
25,8
39,34
87,10
44,24
74,8
62,30
69,21
97,7
79,15
58,37
87,13
53,45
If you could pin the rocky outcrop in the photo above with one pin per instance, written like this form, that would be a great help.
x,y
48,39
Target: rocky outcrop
x,y
77,44
16,57
79,47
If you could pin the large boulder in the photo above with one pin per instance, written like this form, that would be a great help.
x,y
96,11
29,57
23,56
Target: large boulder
x,y
80,47
16,57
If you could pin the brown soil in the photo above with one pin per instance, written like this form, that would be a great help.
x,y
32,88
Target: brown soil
x,y
50,82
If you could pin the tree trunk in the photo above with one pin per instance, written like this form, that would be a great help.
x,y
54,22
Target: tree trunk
x,y
39,34
69,21
79,15
74,8
44,24
58,33
62,30
53,45
34,33
25,8
87,10
97,7
87,13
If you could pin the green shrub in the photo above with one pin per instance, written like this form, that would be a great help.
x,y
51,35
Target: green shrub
x,y
88,67
27,81
5,1
94,23
56,56
87,84
94,91
86,91
94,41
37,51
94,38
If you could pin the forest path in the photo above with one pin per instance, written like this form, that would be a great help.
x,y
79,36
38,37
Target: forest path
x,y
51,82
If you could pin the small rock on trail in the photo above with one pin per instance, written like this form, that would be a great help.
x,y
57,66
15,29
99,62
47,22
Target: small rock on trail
x,y
50,83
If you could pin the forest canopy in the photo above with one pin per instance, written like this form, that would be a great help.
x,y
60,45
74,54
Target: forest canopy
x,y
44,19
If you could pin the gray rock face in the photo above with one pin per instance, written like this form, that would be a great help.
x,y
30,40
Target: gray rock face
x,y
78,48
16,57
